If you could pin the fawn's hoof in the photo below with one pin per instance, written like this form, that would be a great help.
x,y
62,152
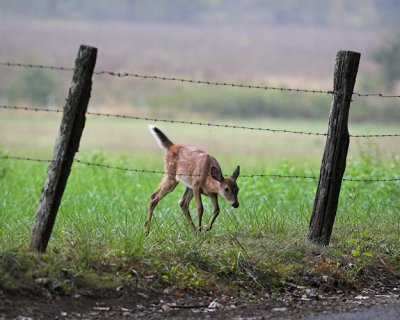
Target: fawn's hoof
x,y
205,228
146,229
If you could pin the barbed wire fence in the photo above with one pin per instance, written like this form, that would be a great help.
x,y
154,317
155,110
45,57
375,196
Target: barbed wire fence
x,y
332,167
197,123
172,121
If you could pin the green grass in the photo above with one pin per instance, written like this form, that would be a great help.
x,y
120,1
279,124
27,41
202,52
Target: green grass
x,y
98,239
99,229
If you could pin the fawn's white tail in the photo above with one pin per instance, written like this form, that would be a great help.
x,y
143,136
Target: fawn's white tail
x,y
160,137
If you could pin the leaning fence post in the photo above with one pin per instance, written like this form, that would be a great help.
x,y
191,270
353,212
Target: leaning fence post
x,y
337,143
67,144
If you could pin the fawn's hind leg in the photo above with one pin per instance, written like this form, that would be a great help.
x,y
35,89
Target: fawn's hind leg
x,y
167,185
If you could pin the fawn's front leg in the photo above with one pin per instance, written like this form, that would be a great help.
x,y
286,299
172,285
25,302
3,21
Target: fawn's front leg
x,y
184,204
214,201
199,204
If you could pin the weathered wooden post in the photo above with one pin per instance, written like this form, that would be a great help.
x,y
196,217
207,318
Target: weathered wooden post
x,y
337,143
67,144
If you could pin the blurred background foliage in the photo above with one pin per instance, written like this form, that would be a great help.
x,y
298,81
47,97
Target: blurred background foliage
x,y
359,13
261,42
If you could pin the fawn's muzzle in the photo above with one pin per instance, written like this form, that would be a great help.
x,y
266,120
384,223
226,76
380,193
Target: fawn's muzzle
x,y
235,204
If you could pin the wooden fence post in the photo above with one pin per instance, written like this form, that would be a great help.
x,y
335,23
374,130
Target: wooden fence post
x,y
67,144
337,143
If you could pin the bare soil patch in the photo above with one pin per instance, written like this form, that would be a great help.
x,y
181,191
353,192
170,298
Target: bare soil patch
x,y
131,302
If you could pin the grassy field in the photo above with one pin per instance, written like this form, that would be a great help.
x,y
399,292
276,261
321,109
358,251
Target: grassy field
x,y
99,236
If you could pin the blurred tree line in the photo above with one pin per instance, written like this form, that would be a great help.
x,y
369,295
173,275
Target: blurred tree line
x,y
34,86
387,56
356,13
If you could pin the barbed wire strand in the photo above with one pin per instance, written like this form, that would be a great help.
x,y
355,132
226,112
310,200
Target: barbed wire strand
x,y
25,65
164,78
146,171
36,109
206,124
211,83
182,80
380,95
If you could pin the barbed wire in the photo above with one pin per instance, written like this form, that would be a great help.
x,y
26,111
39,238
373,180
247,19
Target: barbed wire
x,y
36,109
206,124
146,171
24,65
380,95
204,82
212,83
164,78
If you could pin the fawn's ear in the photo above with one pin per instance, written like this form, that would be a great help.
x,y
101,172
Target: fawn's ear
x,y
216,174
236,173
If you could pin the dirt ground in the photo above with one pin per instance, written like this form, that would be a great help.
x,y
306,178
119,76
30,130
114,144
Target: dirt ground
x,y
130,302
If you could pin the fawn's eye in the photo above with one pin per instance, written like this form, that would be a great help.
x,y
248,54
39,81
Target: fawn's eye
x,y
226,189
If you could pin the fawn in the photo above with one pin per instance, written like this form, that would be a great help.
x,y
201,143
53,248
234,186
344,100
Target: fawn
x,y
199,172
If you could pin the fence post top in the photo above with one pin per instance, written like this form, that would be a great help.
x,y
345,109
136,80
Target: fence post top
x,y
85,46
349,51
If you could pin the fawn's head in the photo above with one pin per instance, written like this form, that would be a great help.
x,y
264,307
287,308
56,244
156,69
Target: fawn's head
x,y
228,187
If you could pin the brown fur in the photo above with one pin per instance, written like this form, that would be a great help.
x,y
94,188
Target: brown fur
x,y
199,172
